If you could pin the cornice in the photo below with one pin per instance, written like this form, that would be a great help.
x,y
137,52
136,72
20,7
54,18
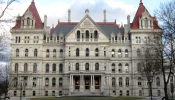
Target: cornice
x,y
146,31
27,31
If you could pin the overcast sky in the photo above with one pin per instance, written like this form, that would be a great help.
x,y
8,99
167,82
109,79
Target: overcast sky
x,y
58,9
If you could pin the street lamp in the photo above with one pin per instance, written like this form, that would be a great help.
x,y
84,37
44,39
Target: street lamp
x,y
172,83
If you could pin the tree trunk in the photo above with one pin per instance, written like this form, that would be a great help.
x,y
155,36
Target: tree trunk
x,y
165,91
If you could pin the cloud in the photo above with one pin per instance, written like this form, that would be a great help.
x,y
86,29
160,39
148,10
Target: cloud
x,y
116,9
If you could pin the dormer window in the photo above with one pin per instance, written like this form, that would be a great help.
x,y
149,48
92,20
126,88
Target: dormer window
x,y
28,21
146,22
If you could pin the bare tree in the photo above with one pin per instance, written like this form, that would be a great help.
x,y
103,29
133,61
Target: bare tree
x,y
166,16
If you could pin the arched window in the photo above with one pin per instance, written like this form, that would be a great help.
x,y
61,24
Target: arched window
x,y
120,68
26,52
127,81
113,53
138,52
146,22
113,82
87,52
96,52
140,92
47,53
95,34
34,68
126,53
87,34
60,82
127,68
120,82
25,67
28,21
16,67
17,52
77,52
96,66
78,34
53,82
77,66
15,82
34,82
139,81
127,92
139,68
46,81
35,53
61,68
61,53
54,68
54,53
47,68
119,53
158,81
87,66
113,68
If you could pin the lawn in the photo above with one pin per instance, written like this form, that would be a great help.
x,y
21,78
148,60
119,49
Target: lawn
x,y
89,98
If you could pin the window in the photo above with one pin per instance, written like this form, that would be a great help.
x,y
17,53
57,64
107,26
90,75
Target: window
x,y
60,82
127,92
127,68
121,93
46,93
54,53
96,66
146,22
95,34
158,81
87,52
139,81
87,34
34,82
77,52
113,68
26,39
96,52
113,82
17,39
87,66
16,67
77,66
26,52
15,82
119,53
127,81
36,39
34,93
25,81
61,53
61,68
112,39
78,34
54,68
140,92
120,68
47,68
17,52
138,52
158,93
113,53
47,82
139,69
24,93
53,93
34,68
137,40
25,67
60,93
47,53
15,93
53,82
28,21
120,82
126,53
35,53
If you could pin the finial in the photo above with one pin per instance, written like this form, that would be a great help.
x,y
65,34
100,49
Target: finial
x,y
141,2
87,11
52,25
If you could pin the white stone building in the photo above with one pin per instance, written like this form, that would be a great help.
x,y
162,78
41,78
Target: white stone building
x,y
81,58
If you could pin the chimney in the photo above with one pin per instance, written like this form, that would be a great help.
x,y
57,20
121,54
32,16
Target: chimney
x,y
104,15
45,21
69,15
128,21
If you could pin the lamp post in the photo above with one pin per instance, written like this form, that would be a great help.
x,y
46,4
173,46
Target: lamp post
x,y
151,80
21,91
172,84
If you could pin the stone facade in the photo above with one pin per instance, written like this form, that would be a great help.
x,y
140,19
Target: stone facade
x,y
80,58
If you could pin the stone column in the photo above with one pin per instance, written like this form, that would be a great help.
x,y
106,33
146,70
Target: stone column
x,y
92,86
81,84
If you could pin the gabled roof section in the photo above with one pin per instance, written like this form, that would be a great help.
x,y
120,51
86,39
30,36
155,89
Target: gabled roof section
x,y
32,8
141,9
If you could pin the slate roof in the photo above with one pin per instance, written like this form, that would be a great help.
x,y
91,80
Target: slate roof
x,y
66,27
32,8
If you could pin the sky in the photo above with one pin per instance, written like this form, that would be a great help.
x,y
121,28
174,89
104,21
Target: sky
x,y
58,9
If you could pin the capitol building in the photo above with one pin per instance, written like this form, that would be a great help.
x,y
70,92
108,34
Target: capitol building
x,y
81,58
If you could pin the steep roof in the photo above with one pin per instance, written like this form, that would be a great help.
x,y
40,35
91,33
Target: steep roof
x,y
32,8
66,27
141,9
